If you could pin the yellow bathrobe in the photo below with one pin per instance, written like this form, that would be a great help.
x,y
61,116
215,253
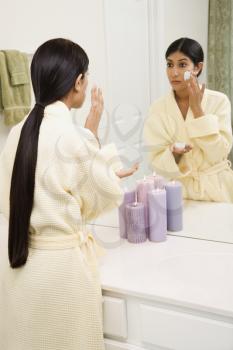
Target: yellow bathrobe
x,y
54,301
205,171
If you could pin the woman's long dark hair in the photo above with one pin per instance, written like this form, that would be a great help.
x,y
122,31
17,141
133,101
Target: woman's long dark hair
x,y
55,67
189,47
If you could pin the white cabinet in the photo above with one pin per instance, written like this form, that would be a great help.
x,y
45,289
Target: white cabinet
x,y
114,315
132,323
181,331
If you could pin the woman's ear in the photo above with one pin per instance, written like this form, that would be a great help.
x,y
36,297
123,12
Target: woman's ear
x,y
198,67
78,82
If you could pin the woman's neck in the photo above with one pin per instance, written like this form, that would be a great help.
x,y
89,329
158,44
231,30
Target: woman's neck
x,y
181,96
182,100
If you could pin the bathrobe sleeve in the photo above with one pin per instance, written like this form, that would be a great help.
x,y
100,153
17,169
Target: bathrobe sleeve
x,y
92,181
81,172
158,141
212,133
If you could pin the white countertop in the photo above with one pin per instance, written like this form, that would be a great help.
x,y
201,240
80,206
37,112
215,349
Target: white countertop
x,y
205,220
182,271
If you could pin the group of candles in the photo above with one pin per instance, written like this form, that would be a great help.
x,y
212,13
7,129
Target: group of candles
x,y
152,209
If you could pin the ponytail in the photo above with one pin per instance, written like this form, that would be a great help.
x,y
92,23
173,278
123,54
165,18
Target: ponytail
x,y
22,188
55,67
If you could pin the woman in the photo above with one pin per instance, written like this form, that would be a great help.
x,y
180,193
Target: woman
x,y
197,117
56,177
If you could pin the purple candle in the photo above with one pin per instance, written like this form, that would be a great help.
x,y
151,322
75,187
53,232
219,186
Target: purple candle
x,y
174,206
143,187
159,181
129,197
157,215
135,220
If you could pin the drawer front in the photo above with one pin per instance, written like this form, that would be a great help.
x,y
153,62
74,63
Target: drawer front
x,y
114,316
180,331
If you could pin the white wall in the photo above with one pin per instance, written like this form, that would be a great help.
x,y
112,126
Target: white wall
x,y
186,18
171,20
26,24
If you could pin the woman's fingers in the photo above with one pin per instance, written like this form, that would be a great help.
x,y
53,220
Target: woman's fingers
x,y
93,95
100,99
181,151
188,148
195,96
196,87
189,87
135,167
97,105
127,172
97,100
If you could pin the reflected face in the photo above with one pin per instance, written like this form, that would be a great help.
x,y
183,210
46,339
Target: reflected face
x,y
177,64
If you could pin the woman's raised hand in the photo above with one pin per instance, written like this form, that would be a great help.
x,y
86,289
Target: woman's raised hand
x,y
195,95
96,110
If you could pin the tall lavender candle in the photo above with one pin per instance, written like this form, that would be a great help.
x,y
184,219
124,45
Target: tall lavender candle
x,y
143,187
159,181
174,206
157,215
135,220
129,197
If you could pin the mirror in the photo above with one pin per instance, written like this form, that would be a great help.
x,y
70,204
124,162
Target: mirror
x,y
126,41
149,27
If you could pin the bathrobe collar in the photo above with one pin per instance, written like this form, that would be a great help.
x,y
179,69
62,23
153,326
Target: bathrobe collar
x,y
172,106
58,110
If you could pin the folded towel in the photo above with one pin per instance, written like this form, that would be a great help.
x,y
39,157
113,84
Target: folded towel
x,y
17,64
15,100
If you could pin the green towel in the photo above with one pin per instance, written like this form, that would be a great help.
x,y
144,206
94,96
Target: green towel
x,y
17,64
15,100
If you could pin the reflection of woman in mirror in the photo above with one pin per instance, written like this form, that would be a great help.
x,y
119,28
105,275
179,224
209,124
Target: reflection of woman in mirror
x,y
56,177
188,132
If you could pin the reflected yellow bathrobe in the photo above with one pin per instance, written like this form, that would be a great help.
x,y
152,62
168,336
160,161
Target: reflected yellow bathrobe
x,y
205,171
54,301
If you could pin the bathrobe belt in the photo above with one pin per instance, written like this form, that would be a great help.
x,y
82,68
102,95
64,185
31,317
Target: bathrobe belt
x,y
200,178
84,241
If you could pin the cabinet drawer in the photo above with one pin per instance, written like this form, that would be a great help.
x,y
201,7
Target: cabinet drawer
x,y
180,331
114,315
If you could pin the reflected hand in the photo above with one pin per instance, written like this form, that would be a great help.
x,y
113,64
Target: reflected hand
x,y
180,151
127,172
195,95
